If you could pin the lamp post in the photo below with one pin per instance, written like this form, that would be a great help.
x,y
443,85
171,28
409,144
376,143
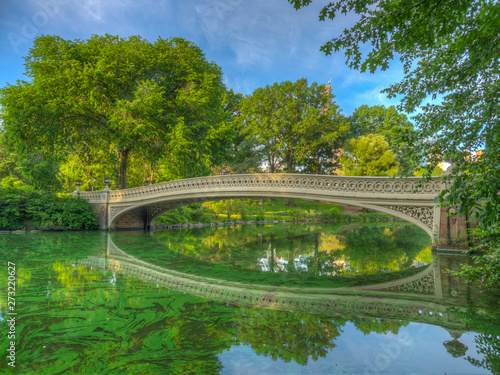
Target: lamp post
x,y
93,186
78,183
106,181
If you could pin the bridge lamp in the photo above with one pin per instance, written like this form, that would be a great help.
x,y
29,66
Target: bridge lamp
x,y
145,183
78,183
93,186
106,181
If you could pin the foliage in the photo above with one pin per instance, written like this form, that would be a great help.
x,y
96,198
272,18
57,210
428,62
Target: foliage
x,y
385,121
185,214
437,171
292,121
8,166
369,156
129,96
247,209
486,257
378,119
22,207
245,155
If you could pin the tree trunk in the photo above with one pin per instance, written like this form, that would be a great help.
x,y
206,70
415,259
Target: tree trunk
x,y
122,171
151,182
291,202
272,163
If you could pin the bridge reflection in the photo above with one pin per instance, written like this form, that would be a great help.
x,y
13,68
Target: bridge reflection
x,y
425,297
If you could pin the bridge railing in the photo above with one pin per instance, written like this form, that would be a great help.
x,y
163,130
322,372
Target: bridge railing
x,y
410,187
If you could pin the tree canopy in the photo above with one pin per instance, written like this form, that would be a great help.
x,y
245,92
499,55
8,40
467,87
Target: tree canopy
x,y
292,121
388,122
119,95
369,155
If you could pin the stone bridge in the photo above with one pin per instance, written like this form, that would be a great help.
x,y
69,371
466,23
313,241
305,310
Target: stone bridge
x,y
404,198
424,297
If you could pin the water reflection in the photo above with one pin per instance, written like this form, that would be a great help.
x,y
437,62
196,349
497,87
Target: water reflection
x,y
419,297
109,310
303,251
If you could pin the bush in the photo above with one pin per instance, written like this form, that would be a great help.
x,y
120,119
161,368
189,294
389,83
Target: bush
x,y
333,213
260,216
21,207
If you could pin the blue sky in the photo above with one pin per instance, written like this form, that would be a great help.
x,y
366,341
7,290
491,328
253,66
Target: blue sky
x,y
255,42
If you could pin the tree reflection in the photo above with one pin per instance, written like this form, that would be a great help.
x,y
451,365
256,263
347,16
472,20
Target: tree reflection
x,y
486,322
374,249
316,250
296,336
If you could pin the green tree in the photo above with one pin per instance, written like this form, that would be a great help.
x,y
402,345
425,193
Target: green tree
x,y
154,99
369,156
245,155
378,119
388,122
291,120
8,165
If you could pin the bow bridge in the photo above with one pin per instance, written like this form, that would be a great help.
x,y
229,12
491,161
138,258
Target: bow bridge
x,y
405,198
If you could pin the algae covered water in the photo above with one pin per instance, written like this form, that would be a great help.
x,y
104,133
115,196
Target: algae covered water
x,y
312,299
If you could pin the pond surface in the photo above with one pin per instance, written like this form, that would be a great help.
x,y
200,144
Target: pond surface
x,y
280,299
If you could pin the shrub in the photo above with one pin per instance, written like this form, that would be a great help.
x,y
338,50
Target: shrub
x,y
333,213
21,204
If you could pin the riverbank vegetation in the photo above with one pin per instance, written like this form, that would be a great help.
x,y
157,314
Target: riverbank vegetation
x,y
24,208
262,209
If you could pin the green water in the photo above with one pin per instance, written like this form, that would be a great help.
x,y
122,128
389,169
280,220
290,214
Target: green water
x,y
309,299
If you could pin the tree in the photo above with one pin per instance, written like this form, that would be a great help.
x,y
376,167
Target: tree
x,y
388,122
245,155
291,121
378,119
154,99
369,156
8,166
450,51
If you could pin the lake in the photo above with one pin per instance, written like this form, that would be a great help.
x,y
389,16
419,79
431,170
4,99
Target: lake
x,y
369,298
